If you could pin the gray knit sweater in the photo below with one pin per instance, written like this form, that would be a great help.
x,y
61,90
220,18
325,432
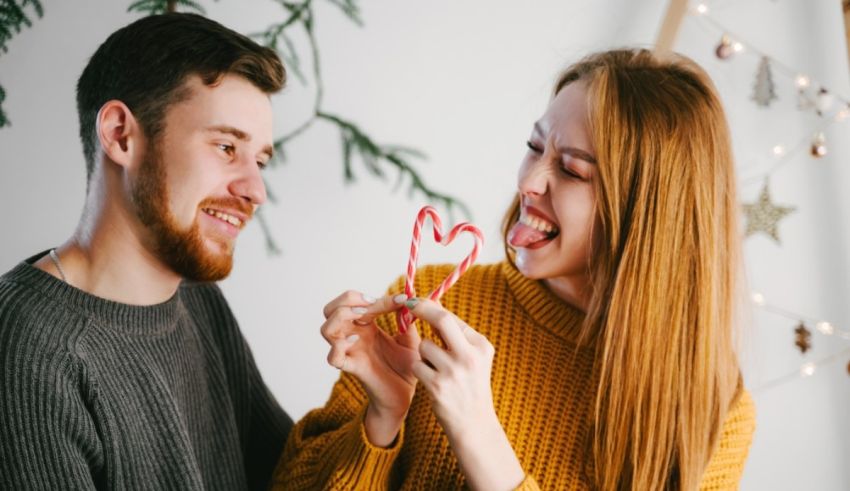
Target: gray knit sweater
x,y
96,394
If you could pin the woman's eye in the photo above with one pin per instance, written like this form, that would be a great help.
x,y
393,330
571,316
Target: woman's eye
x,y
532,147
226,148
570,173
261,165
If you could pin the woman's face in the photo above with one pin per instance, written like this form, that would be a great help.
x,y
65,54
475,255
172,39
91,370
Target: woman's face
x,y
553,238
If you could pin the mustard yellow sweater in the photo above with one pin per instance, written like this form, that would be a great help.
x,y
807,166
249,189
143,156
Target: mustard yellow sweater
x,y
542,389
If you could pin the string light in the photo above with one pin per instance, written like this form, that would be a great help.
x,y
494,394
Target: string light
x,y
802,81
808,369
778,150
823,327
702,9
822,102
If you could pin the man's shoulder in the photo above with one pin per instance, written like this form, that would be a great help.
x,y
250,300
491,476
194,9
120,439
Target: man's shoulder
x,y
33,323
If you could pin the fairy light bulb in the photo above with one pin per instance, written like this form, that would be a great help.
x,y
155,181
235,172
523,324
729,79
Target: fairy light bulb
x,y
802,81
758,298
808,369
702,9
825,328
778,151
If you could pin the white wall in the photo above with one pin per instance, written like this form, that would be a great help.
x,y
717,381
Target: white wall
x,y
464,81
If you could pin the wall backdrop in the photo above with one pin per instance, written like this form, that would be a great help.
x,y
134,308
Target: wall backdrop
x,y
463,81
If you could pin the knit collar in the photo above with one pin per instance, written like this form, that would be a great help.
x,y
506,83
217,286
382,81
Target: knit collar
x,y
543,306
125,318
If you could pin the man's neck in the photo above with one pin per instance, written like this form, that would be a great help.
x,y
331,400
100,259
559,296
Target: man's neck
x,y
106,258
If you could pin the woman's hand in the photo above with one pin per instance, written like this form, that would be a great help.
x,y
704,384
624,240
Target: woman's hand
x,y
381,362
458,382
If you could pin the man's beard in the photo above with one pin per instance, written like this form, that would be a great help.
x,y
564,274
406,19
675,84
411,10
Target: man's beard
x,y
182,250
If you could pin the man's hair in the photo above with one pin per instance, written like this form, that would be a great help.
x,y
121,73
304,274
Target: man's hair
x,y
146,63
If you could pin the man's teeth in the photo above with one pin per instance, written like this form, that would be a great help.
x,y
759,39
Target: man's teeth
x,y
224,216
539,224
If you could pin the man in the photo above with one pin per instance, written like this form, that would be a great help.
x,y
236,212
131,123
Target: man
x,y
121,364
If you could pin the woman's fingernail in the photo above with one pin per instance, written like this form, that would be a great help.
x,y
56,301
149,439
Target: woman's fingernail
x,y
400,298
368,299
411,303
359,310
353,338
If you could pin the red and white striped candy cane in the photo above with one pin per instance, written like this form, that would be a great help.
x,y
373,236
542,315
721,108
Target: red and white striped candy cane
x,y
404,316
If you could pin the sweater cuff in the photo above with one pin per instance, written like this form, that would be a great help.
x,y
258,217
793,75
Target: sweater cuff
x,y
528,484
367,466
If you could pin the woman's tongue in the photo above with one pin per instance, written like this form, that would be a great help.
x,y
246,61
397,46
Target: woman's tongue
x,y
521,235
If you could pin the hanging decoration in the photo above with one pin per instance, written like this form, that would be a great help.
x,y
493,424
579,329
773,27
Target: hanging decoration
x,y
725,49
823,101
818,149
802,338
764,90
763,215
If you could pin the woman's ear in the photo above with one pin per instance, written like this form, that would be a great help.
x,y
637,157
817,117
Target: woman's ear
x,y
119,133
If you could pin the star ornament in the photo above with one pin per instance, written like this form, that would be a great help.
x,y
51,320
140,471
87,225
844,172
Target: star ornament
x,y
763,216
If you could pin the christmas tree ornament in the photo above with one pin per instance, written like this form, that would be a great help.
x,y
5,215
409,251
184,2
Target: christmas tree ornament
x,y
763,216
725,49
764,90
818,149
823,101
802,338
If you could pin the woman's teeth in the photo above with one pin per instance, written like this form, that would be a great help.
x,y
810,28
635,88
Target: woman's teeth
x,y
224,216
544,226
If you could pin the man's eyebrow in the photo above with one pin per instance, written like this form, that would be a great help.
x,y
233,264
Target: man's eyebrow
x,y
239,134
571,151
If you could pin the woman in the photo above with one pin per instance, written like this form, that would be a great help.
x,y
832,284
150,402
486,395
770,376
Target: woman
x,y
600,354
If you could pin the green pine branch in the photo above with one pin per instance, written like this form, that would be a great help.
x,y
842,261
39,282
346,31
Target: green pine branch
x,y
356,144
14,17
153,7
376,158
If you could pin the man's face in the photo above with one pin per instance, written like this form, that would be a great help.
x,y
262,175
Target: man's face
x,y
200,180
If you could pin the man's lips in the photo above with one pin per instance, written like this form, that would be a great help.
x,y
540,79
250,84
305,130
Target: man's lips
x,y
233,217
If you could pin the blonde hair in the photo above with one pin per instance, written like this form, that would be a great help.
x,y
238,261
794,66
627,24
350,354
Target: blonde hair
x,y
665,274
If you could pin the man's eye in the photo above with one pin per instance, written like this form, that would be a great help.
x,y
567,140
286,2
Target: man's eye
x,y
262,165
532,147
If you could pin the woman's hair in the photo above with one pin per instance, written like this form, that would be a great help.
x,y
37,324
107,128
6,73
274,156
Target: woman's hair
x,y
664,276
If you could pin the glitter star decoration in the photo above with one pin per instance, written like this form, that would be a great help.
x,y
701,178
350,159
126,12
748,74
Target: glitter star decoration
x,y
763,216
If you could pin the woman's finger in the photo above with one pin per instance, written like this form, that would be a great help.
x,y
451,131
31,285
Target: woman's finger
x,y
424,374
350,298
441,360
446,323
383,305
338,354
339,324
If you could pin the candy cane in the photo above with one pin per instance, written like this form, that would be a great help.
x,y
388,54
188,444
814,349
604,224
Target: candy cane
x,y
404,316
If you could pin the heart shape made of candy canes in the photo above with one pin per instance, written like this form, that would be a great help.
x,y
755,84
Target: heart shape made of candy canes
x,y
404,316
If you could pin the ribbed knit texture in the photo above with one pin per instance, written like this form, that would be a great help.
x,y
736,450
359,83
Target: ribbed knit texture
x,y
543,392
96,394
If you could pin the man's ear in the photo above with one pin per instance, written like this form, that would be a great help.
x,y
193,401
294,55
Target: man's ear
x,y
119,133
